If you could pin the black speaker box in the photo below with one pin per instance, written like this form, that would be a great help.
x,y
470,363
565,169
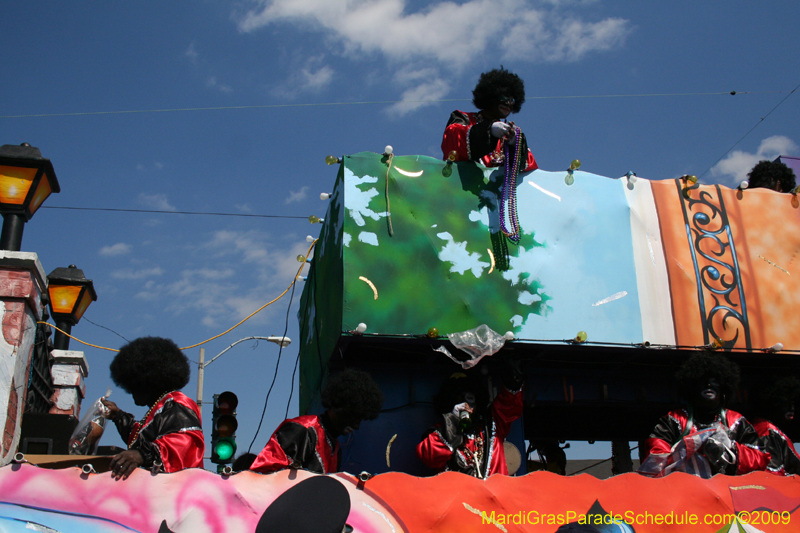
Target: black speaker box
x,y
46,434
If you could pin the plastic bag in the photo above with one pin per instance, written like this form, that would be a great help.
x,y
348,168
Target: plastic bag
x,y
478,343
86,437
689,455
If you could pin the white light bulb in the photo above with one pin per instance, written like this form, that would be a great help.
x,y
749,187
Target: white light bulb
x,y
509,336
777,347
361,328
309,238
745,184
324,195
388,150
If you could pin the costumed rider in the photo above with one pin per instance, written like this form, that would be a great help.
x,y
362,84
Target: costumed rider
x,y
310,442
169,437
481,136
772,175
705,438
776,401
470,437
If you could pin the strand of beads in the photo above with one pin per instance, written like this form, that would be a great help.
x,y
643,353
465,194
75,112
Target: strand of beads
x,y
144,418
508,201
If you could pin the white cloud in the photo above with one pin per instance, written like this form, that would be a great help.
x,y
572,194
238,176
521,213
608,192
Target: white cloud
x,y
314,81
156,201
212,83
242,271
156,165
115,249
137,274
297,196
543,38
733,169
451,33
312,77
191,53
424,88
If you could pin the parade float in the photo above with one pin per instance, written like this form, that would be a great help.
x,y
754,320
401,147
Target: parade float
x,y
600,286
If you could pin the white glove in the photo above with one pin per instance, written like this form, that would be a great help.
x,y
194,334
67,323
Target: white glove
x,y
500,129
462,407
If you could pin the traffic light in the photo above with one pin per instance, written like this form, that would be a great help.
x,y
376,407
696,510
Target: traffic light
x,y
223,428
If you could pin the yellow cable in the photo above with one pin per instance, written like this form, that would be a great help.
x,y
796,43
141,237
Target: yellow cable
x,y
76,339
248,317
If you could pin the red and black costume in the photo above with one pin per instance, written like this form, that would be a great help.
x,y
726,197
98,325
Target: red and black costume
x,y
170,435
479,452
471,138
302,442
783,458
671,429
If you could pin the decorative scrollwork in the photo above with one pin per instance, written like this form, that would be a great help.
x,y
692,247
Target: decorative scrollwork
x,y
719,283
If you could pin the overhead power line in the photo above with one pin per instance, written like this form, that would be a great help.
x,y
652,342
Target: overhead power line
x,y
376,102
167,212
750,130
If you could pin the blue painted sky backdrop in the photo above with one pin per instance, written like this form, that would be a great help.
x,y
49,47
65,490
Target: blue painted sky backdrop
x,y
232,106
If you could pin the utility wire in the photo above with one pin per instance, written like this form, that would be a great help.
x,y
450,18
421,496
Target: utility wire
x,y
109,329
245,319
750,130
169,212
376,102
275,376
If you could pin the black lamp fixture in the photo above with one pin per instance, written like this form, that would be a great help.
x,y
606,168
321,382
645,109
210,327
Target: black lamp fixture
x,y
26,180
70,295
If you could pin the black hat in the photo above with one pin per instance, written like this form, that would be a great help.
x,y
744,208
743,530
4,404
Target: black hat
x,y
319,504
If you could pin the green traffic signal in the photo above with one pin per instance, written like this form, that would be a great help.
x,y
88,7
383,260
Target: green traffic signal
x,y
223,428
225,449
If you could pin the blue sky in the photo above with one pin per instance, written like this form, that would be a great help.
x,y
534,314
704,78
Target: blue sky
x,y
232,106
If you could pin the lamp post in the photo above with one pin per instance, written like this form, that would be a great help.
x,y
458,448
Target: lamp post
x,y
283,342
26,180
70,296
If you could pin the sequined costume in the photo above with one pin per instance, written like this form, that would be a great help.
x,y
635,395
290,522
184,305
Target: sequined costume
x,y
301,442
478,453
672,428
470,137
783,458
170,435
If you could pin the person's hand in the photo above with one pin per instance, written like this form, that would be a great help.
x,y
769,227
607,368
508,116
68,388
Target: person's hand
x,y
720,451
458,408
511,136
124,463
111,407
500,129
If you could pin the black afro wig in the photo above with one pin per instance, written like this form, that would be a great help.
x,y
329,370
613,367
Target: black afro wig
x,y
693,372
496,83
150,365
772,175
354,392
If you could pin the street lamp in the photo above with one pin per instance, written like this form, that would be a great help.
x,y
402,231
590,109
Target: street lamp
x,y
70,295
26,180
283,342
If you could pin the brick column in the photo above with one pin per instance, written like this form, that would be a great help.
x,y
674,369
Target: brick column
x,y
69,369
22,283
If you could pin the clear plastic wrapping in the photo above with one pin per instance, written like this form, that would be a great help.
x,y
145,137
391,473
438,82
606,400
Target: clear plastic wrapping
x,y
701,454
86,437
